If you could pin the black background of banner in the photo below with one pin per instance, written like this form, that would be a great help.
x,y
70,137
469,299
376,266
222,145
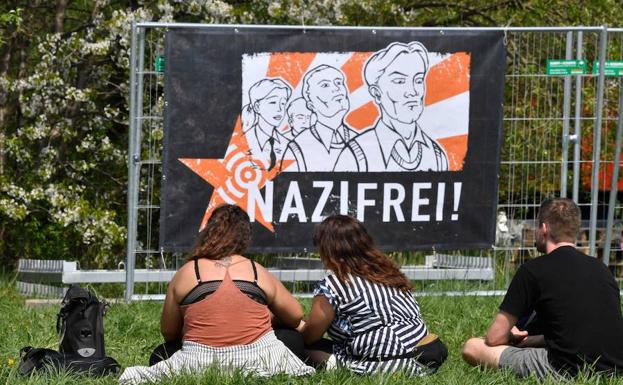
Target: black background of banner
x,y
203,94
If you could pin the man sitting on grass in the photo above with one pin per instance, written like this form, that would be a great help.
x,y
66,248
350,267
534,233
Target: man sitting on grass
x,y
576,300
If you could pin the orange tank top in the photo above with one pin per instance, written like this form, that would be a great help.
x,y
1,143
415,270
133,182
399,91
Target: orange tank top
x,y
227,317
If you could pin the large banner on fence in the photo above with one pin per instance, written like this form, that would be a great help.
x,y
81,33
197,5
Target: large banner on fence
x,y
400,128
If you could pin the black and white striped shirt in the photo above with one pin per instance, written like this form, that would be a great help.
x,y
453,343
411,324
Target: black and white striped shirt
x,y
373,325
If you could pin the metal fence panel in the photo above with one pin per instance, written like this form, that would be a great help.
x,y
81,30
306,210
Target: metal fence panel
x,y
611,144
549,124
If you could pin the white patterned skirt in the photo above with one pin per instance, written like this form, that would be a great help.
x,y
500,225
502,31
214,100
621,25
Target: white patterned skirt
x,y
265,357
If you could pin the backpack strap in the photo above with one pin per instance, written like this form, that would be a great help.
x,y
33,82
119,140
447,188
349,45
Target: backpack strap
x,y
59,316
197,269
62,313
32,359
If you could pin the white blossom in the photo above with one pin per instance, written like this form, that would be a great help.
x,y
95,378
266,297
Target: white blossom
x,y
274,9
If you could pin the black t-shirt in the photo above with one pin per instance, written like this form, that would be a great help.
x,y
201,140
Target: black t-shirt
x,y
577,301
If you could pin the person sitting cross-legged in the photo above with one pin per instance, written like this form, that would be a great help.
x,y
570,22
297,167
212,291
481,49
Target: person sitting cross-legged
x,y
217,310
366,306
576,301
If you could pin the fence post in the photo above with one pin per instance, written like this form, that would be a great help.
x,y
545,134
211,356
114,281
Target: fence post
x,y
133,174
577,126
566,111
603,41
615,177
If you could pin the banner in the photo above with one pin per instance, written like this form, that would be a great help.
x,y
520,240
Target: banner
x,y
400,128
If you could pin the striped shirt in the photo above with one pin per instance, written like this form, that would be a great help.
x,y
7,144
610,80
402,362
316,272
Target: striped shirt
x,y
374,325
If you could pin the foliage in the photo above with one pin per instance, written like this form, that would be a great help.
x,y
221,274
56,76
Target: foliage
x,y
64,99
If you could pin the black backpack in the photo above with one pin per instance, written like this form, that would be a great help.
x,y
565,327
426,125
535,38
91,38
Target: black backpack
x,y
41,360
80,324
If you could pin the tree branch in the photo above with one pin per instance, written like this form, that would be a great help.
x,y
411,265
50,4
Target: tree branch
x,y
59,19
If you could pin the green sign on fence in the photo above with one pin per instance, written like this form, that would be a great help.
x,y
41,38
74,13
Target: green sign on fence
x,y
566,67
159,64
612,68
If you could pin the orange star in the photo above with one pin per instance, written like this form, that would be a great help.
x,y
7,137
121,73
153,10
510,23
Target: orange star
x,y
232,176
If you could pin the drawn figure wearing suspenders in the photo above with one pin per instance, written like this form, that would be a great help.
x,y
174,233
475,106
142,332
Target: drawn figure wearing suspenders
x,y
395,77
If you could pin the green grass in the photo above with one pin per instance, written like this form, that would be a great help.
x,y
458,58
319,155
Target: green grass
x,y
132,331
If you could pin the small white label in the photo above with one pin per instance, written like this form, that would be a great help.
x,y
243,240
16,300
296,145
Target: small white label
x,y
86,352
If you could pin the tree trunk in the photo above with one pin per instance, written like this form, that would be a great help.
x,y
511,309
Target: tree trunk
x,y
59,20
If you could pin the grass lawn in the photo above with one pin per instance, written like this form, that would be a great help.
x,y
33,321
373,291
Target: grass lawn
x,y
133,330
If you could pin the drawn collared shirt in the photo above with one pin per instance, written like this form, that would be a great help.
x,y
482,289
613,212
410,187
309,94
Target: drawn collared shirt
x,y
318,148
385,150
330,138
260,147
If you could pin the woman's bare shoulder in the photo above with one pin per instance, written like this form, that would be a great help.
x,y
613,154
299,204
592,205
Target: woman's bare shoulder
x,y
183,280
261,270
265,279
185,269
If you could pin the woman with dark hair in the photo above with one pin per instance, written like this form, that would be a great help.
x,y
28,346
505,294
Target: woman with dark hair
x,y
219,305
366,306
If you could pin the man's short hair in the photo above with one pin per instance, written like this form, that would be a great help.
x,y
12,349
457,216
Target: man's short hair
x,y
297,103
562,217
309,75
377,63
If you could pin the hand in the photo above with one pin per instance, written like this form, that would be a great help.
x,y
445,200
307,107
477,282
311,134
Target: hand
x,y
537,341
517,336
301,326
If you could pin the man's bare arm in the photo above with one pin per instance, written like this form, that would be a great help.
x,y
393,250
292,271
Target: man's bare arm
x,y
503,332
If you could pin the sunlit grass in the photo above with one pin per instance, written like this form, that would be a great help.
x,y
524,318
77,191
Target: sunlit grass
x,y
132,332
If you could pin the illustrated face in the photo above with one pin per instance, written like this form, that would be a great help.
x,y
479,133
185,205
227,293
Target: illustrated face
x,y
401,88
300,121
299,116
271,109
327,93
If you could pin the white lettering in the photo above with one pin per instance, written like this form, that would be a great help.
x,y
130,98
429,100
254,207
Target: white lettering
x,y
441,194
293,204
256,201
344,197
327,186
417,202
362,202
457,199
393,203
428,202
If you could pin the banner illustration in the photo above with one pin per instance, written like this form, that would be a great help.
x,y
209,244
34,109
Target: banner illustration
x,y
384,129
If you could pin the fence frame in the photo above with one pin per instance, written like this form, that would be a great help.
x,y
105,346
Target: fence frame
x,y
137,69
615,169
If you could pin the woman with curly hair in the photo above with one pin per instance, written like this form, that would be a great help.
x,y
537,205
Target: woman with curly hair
x,y
218,308
366,306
